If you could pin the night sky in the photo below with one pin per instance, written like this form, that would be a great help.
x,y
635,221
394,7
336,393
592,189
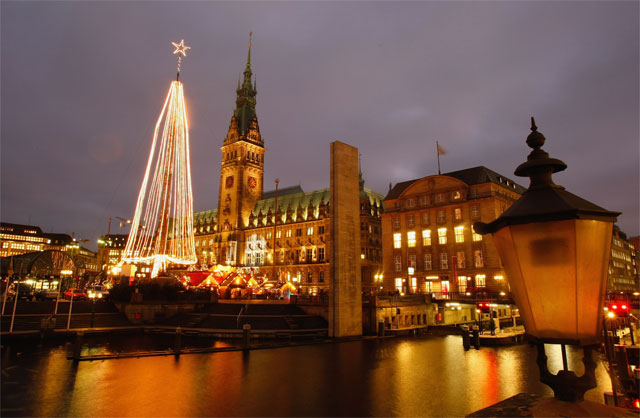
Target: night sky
x,y
83,84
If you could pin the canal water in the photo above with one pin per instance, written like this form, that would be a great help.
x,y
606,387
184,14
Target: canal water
x,y
414,376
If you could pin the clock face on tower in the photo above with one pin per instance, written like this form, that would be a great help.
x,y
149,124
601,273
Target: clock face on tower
x,y
252,182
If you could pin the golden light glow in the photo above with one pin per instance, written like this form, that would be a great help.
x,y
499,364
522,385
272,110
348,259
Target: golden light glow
x,y
181,48
162,227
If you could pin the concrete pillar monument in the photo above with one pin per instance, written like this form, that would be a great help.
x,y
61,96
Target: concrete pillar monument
x,y
345,294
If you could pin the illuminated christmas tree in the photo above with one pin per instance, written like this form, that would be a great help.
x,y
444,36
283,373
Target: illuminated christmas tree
x,y
162,227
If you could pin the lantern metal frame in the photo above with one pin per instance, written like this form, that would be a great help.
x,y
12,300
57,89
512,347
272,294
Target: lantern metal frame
x,y
544,202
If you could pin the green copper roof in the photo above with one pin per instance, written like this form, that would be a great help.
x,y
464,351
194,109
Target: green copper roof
x,y
205,217
309,201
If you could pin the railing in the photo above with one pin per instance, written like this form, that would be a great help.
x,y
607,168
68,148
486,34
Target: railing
x,y
468,297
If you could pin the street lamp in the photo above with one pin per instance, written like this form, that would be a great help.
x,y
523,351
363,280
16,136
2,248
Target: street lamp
x,y
555,247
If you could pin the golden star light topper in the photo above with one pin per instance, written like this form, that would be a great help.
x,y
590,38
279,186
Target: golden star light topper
x,y
181,48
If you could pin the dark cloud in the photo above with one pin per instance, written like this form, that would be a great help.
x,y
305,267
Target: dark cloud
x,y
83,83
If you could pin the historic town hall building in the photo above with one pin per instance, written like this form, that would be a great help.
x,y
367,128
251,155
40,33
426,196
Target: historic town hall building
x,y
282,234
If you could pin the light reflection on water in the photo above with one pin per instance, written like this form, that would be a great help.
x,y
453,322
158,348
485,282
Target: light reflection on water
x,y
423,376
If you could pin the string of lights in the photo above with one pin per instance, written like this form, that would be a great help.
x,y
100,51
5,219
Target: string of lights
x,y
162,227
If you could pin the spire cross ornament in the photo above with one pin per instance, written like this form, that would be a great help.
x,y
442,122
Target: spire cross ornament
x,y
181,50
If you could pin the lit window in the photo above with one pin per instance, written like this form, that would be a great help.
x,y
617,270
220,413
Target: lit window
x,y
456,195
462,284
427,262
278,234
477,237
442,218
426,237
478,258
414,283
442,236
398,263
287,233
399,284
310,230
459,231
498,277
461,260
457,213
410,221
397,240
411,239
444,261
268,235
396,222
429,286
481,280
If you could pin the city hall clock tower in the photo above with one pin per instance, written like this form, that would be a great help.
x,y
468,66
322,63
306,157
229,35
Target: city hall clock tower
x,y
242,170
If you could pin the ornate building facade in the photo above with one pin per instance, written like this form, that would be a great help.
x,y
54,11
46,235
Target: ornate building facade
x,y
623,267
429,245
282,235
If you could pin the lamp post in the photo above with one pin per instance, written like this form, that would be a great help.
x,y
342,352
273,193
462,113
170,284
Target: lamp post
x,y
555,247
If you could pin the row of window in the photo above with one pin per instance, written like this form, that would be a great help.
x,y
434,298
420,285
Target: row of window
x,y
307,255
432,284
426,237
439,198
22,246
364,226
621,255
459,259
441,217
299,231
23,238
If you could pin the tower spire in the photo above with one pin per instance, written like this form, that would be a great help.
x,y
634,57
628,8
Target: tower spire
x,y
246,96
249,54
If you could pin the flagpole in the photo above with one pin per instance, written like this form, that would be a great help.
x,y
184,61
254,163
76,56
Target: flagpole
x,y
438,152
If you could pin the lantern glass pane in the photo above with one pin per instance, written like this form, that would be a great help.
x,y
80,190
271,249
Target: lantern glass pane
x,y
557,273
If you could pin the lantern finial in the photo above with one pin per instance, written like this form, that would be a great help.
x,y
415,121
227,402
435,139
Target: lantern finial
x,y
535,139
539,166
